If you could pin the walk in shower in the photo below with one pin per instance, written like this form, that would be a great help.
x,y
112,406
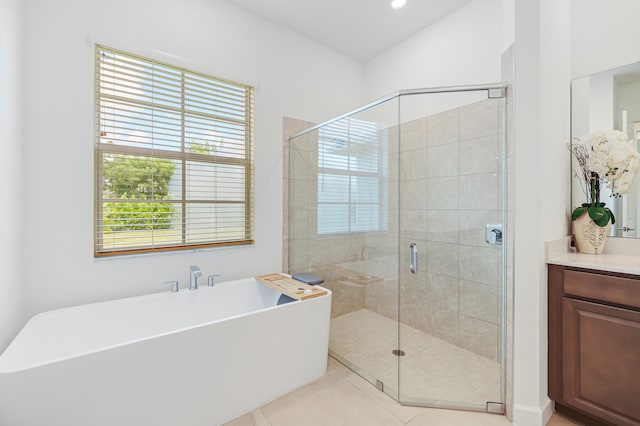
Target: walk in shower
x,y
400,207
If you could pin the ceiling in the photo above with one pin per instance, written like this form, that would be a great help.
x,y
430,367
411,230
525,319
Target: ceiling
x,y
361,29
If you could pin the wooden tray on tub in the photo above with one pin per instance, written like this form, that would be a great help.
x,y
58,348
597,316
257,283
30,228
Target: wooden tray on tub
x,y
292,288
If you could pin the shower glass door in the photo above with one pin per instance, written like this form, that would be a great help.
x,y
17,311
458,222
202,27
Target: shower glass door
x,y
343,227
399,207
450,297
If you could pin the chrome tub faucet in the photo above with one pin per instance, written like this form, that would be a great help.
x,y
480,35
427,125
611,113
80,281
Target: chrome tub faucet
x,y
175,287
194,274
210,280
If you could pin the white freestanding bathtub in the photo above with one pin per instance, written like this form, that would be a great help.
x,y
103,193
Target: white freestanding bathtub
x,y
193,358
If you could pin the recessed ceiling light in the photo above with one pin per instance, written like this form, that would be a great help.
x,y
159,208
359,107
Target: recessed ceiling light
x,y
397,4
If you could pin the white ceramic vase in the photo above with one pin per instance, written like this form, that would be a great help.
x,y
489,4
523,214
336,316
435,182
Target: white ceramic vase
x,y
590,238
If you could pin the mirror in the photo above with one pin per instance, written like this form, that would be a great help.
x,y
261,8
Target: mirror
x,y
609,100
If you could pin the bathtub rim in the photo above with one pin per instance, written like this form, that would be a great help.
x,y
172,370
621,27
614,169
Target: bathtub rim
x,y
53,360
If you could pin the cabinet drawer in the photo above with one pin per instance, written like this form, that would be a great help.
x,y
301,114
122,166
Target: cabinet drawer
x,y
618,290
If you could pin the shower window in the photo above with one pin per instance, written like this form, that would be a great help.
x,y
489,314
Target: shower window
x,y
352,171
173,157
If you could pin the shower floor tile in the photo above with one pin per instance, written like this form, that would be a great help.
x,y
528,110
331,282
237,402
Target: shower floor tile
x,y
432,371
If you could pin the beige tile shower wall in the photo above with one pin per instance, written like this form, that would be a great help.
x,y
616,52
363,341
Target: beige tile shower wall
x,y
449,191
381,250
290,127
349,264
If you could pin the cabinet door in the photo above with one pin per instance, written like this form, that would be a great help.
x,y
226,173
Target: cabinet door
x,y
601,361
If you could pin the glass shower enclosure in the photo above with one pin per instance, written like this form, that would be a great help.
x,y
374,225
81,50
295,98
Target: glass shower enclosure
x,y
399,206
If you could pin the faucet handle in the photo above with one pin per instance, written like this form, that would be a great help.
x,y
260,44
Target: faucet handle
x,y
175,287
210,280
195,271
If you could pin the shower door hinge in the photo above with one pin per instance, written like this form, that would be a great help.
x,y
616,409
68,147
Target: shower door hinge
x,y
495,407
379,385
500,92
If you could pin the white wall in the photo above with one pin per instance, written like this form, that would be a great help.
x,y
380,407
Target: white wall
x,y
291,74
542,81
11,305
462,48
508,23
604,35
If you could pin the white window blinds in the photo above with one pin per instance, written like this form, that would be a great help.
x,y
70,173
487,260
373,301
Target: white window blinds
x,y
174,157
352,177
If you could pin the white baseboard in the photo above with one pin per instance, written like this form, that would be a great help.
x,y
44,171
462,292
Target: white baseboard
x,y
530,415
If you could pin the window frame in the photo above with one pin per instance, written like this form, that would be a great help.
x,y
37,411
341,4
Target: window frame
x,y
380,175
183,157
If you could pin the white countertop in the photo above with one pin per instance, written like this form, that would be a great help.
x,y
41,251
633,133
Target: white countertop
x,y
618,256
622,263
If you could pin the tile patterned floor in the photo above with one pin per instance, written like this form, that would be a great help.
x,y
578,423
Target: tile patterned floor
x,y
438,372
558,420
433,372
342,398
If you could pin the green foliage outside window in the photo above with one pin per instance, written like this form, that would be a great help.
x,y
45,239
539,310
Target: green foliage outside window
x,y
133,216
133,180
137,176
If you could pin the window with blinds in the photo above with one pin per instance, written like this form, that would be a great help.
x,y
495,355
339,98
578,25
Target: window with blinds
x,y
174,157
352,177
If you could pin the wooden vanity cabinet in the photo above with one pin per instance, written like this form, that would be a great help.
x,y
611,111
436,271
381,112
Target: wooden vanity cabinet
x,y
594,345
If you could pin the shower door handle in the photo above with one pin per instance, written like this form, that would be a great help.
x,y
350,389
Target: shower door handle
x,y
413,258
